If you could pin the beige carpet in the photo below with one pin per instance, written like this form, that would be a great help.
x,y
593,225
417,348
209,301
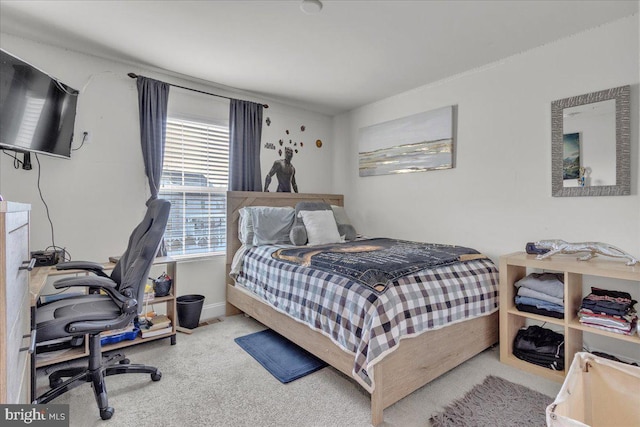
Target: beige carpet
x,y
208,380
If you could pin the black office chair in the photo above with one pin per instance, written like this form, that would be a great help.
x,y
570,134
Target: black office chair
x,y
94,313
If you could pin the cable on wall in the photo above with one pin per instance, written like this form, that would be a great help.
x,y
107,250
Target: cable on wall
x,y
53,241
84,138
65,254
17,163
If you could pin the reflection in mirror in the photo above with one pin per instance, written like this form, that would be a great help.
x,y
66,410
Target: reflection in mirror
x,y
590,144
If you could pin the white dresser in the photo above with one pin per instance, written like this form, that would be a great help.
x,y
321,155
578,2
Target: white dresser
x,y
15,365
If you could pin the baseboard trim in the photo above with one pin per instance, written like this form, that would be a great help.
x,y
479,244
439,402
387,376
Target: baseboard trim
x,y
211,311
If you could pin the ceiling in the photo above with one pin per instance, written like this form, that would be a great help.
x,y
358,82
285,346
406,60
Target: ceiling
x,y
350,54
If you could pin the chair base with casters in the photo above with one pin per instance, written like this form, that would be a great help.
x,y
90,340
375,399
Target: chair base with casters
x,y
95,374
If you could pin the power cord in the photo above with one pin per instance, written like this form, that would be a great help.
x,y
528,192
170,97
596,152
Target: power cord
x,y
65,254
17,163
53,242
85,134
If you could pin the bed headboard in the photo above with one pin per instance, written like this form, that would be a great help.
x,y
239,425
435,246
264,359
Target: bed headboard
x,y
239,199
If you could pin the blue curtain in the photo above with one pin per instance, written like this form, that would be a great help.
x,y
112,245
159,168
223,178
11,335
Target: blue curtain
x,y
245,134
153,97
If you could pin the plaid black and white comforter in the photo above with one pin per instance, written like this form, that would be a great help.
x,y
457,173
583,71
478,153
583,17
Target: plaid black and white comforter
x,y
367,324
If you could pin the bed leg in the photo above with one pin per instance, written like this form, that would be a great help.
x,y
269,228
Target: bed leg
x,y
376,416
377,408
231,310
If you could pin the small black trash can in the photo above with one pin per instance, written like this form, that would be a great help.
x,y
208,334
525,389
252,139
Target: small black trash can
x,y
189,309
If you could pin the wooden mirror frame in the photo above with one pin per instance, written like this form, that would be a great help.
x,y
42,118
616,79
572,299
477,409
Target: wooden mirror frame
x,y
623,137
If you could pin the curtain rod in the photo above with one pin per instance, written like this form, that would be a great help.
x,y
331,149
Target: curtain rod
x,y
135,76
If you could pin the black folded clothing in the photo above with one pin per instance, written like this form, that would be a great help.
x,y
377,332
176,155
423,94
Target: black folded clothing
x,y
540,346
610,293
547,361
538,339
541,311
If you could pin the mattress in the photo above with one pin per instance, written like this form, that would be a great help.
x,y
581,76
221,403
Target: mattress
x,y
361,321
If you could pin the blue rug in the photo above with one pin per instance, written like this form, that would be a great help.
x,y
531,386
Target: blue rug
x,y
282,358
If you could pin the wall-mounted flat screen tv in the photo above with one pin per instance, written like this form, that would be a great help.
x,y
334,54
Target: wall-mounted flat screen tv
x,y
37,112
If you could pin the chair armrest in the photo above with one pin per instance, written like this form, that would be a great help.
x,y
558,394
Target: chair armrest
x,y
91,266
86,282
88,326
103,283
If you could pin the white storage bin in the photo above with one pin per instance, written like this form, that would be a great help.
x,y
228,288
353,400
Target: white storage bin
x,y
597,392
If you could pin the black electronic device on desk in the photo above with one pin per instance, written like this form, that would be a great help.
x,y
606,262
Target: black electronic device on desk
x,y
44,258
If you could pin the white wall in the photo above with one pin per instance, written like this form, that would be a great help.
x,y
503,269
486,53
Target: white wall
x,y
313,164
498,196
98,196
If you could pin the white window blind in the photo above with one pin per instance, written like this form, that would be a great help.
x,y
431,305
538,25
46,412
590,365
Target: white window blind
x,y
195,178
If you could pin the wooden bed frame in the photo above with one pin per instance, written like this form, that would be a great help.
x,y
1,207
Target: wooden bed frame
x,y
414,363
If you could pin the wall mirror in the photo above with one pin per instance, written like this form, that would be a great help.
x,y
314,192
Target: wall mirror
x,y
590,144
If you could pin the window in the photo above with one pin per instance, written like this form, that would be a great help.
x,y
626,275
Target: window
x,y
195,179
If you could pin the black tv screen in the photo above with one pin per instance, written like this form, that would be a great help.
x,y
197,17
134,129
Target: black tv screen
x,y
37,112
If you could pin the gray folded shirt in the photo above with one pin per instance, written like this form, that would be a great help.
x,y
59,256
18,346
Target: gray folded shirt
x,y
527,292
547,283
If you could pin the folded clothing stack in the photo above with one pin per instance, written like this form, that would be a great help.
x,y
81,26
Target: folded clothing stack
x,y
540,346
610,311
541,293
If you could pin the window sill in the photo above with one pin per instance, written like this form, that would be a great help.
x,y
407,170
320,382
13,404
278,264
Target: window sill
x,y
198,257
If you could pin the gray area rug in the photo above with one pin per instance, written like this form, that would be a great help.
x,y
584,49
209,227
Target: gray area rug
x,y
495,402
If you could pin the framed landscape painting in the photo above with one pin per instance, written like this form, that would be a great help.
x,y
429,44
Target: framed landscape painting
x,y
571,155
416,143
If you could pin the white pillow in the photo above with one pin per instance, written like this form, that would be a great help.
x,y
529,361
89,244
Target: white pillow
x,y
321,227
